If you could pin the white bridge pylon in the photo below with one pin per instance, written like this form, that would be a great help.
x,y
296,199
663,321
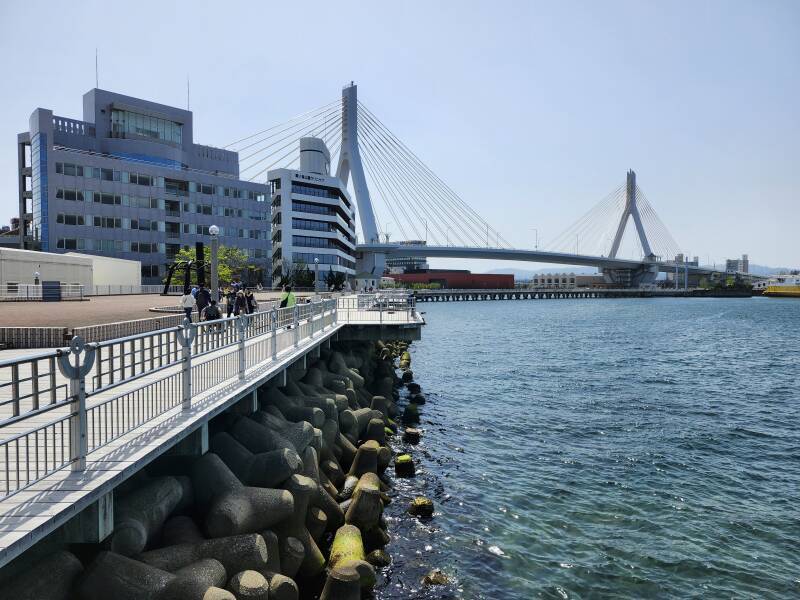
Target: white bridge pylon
x,y
350,163
631,210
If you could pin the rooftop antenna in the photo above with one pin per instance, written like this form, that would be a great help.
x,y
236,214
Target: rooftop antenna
x,y
187,92
96,70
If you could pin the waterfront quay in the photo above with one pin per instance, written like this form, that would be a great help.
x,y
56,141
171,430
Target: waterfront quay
x,y
77,423
452,295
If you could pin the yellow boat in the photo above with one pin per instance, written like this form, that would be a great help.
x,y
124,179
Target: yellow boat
x,y
784,286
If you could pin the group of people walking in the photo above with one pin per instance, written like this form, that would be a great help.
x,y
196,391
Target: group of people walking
x,y
238,301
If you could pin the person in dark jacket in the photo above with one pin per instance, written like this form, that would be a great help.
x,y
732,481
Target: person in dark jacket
x,y
240,305
252,305
203,298
230,300
211,312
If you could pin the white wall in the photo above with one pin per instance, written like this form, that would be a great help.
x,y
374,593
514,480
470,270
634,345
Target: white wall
x,y
18,266
113,271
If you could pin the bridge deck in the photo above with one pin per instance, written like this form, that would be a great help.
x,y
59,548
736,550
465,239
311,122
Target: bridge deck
x,y
135,421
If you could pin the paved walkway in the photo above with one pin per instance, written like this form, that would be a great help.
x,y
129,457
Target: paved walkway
x,y
97,310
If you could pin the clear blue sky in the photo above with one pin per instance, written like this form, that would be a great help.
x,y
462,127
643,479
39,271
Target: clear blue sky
x,y
531,111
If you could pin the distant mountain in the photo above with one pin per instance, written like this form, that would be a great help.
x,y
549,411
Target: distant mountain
x,y
762,270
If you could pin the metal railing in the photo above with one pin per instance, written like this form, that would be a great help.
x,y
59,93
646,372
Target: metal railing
x,y
394,306
56,407
22,292
120,290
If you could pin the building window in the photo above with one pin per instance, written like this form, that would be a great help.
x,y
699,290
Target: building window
x,y
311,225
144,224
149,270
74,195
103,198
125,123
70,219
308,207
71,244
69,169
108,222
139,179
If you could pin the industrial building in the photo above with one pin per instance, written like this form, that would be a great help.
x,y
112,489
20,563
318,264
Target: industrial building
x,y
128,181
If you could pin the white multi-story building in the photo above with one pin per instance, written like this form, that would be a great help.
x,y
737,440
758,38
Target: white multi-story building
x,y
313,217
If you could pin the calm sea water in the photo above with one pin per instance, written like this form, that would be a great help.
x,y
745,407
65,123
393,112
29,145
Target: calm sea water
x,y
606,448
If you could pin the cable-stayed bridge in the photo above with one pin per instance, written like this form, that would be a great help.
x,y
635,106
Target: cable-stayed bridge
x,y
622,235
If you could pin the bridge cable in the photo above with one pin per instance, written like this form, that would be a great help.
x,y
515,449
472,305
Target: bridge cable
x,y
431,176
442,207
405,178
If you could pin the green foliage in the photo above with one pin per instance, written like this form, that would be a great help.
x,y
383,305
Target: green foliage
x,y
232,264
335,279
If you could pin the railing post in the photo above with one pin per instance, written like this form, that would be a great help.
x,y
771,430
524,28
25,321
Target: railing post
x,y
296,319
76,373
241,324
273,315
186,337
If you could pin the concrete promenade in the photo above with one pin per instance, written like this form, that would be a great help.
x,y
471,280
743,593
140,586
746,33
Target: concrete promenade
x,y
131,422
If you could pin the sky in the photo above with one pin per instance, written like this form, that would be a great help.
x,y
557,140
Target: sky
x,y
531,111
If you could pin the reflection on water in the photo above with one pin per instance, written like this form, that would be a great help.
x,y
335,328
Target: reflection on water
x,y
605,448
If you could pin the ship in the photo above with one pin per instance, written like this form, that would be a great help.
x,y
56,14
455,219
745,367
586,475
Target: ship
x,y
783,286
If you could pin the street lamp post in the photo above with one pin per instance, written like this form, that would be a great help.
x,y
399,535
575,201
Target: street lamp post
x,y
36,276
316,275
214,231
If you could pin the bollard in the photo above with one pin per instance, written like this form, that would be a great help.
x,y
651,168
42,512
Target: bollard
x,y
76,373
186,337
241,324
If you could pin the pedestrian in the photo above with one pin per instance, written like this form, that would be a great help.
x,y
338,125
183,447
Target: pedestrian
x,y
230,300
203,298
211,312
188,303
252,304
287,298
240,304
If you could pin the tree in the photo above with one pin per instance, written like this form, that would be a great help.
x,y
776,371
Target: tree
x,y
335,279
232,263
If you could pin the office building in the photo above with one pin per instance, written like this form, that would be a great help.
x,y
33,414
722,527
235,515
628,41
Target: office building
x,y
312,216
738,265
128,181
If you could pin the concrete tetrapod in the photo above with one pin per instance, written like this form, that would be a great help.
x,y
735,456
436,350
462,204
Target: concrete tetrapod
x,y
194,581
113,576
249,585
302,489
323,498
48,579
180,530
233,508
257,438
281,587
267,469
366,459
343,583
348,550
367,506
299,434
138,516
236,553
375,431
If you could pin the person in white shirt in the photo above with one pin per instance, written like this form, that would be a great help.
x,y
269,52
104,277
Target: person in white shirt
x,y
188,303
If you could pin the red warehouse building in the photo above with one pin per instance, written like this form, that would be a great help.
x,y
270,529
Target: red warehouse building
x,y
461,280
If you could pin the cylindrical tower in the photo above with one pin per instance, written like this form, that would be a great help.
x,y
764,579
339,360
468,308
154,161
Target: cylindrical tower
x,y
314,156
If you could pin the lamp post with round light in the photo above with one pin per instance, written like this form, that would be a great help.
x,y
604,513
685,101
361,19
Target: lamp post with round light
x,y
36,276
214,232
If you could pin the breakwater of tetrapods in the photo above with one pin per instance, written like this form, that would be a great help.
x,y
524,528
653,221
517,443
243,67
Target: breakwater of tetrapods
x,y
286,503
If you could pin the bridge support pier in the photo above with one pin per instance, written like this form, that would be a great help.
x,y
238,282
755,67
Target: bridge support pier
x,y
93,524
194,444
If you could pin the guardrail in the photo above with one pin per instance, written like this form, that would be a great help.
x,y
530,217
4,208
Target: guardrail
x,y
378,308
57,407
34,292
123,290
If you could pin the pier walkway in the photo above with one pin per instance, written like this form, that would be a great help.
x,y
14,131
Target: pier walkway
x,y
75,422
453,295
